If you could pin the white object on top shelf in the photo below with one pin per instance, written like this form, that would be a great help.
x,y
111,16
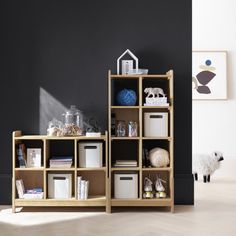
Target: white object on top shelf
x,y
127,65
93,134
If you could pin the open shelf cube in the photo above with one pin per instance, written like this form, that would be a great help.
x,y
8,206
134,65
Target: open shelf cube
x,y
60,148
126,115
29,144
97,183
36,179
125,150
152,175
119,84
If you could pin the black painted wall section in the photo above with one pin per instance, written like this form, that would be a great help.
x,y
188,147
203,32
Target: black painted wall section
x,y
65,48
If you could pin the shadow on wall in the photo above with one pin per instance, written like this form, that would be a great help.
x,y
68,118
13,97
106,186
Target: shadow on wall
x,y
49,108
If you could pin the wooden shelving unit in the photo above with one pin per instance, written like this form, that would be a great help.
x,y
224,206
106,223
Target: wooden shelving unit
x,y
135,113
37,177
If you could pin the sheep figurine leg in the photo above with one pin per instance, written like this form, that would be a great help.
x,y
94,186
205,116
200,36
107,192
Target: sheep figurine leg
x,y
204,178
196,176
208,178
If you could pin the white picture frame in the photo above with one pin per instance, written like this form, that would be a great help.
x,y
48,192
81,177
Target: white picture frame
x,y
34,157
209,75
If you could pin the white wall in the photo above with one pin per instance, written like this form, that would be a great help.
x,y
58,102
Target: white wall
x,y
214,122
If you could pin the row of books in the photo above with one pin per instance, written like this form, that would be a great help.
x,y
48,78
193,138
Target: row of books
x,y
82,188
126,163
61,162
35,193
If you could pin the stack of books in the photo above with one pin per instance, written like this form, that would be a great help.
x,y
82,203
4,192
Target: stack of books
x,y
82,188
126,163
61,162
35,193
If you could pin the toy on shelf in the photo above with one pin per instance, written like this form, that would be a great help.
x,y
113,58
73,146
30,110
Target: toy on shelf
x,y
126,97
160,190
153,97
159,157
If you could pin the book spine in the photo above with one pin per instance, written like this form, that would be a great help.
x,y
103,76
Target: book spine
x,y
20,188
79,178
83,189
86,189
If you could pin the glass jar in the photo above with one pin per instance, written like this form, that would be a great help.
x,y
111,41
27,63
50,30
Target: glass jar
x,y
132,129
73,121
121,128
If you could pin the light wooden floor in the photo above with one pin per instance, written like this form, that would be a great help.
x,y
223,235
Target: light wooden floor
x,y
214,213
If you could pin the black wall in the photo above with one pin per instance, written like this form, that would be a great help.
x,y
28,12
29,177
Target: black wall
x,y
67,47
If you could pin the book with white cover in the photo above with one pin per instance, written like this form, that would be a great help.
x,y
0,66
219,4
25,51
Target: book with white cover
x,y
20,188
33,195
33,157
82,189
79,178
86,189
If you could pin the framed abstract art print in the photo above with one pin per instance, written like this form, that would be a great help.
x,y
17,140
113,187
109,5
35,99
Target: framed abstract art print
x,y
209,70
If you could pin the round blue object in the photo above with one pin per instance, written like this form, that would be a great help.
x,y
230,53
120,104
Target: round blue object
x,y
208,62
126,97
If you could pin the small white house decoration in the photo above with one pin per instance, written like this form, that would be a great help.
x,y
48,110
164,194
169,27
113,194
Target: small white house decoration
x,y
127,65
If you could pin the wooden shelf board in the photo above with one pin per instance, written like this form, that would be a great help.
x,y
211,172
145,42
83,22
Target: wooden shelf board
x,y
91,201
156,169
156,107
45,137
157,138
125,168
125,138
92,169
124,107
29,169
141,202
164,76
60,169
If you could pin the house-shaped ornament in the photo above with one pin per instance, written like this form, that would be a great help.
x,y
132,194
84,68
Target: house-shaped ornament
x,y
127,66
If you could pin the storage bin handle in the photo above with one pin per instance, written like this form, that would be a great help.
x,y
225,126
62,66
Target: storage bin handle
x,y
59,178
156,116
126,178
90,147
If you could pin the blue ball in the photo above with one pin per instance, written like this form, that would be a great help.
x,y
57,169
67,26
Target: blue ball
x,y
126,97
208,62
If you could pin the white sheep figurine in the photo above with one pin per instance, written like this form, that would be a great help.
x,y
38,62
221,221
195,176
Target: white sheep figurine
x,y
206,165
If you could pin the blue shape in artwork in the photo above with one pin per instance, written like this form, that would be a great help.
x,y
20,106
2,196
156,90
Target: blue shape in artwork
x,y
208,62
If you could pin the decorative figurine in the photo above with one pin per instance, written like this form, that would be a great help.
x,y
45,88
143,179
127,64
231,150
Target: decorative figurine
x,y
155,97
127,65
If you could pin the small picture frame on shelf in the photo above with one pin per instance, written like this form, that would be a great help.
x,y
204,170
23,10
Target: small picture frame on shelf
x,y
33,157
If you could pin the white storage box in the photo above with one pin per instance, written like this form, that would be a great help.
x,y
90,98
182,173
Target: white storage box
x,y
90,154
126,185
155,124
59,186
